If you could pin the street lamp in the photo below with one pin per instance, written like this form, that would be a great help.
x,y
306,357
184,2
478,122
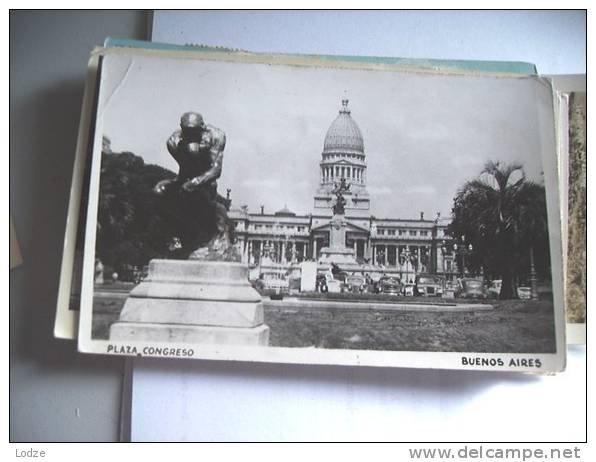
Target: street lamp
x,y
463,250
444,251
533,278
405,256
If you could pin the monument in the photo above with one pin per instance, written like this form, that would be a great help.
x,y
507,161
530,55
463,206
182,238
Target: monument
x,y
337,253
204,296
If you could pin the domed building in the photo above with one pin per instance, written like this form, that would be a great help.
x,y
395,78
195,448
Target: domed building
x,y
397,246
343,158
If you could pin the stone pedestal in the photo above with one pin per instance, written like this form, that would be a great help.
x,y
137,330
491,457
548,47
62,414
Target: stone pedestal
x,y
337,252
193,301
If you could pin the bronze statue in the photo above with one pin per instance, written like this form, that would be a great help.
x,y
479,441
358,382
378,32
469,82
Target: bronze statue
x,y
192,198
339,208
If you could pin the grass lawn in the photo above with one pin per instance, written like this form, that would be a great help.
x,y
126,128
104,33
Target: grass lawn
x,y
514,326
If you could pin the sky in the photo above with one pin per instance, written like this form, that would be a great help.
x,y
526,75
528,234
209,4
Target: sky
x,y
424,135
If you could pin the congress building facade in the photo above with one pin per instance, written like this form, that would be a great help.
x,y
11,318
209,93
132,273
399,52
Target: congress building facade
x,y
389,245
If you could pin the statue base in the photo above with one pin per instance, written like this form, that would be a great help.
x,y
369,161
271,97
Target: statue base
x,y
337,252
338,256
193,302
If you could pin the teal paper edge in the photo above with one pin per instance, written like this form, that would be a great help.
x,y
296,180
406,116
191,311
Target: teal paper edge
x,y
511,67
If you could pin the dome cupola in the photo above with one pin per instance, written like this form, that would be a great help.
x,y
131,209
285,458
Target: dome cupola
x,y
344,135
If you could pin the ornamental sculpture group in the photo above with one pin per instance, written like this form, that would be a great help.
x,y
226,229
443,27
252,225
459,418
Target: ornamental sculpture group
x,y
203,297
339,208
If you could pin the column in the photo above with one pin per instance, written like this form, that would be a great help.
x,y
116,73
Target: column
x,y
314,249
283,253
249,255
374,254
418,251
386,249
304,251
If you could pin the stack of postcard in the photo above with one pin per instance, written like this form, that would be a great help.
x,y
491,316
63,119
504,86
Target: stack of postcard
x,y
324,210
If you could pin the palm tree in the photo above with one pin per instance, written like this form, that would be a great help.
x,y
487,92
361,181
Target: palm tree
x,y
500,213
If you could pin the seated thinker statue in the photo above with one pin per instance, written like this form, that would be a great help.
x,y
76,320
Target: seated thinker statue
x,y
191,198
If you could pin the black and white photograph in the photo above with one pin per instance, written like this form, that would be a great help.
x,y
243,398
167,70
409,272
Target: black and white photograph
x,y
293,211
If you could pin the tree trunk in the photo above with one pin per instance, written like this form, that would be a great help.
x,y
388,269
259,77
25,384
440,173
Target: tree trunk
x,y
508,285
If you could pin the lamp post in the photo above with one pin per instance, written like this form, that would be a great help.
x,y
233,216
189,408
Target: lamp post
x,y
444,251
463,250
405,256
533,278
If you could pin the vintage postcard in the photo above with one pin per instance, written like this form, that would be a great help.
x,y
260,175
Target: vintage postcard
x,y
71,270
287,209
572,109
577,209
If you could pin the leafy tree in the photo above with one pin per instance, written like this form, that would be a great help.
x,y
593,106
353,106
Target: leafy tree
x,y
131,229
503,215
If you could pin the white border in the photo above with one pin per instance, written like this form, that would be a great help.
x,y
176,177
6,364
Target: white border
x,y
66,322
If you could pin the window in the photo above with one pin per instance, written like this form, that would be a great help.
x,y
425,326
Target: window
x,y
258,227
424,233
401,232
381,231
391,232
412,232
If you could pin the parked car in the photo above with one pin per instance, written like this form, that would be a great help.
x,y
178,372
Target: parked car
x,y
390,285
409,289
494,289
272,285
354,283
471,288
524,293
429,286
325,282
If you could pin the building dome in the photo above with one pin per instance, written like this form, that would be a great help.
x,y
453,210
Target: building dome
x,y
285,212
343,134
